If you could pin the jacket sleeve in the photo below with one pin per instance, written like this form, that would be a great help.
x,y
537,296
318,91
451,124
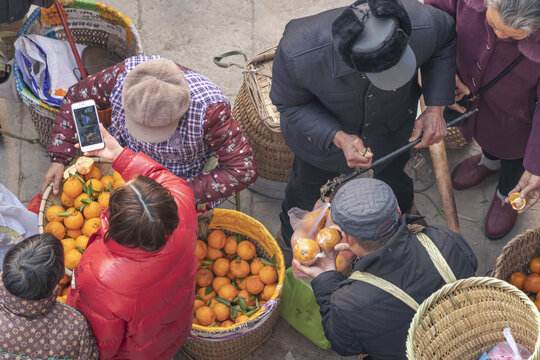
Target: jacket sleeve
x,y
438,72
334,322
448,6
87,348
236,168
97,87
532,152
300,110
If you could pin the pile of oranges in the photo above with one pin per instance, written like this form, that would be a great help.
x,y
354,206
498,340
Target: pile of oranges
x,y
530,284
85,194
232,283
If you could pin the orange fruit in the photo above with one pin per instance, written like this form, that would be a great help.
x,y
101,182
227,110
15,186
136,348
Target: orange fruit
x,y
262,302
227,292
341,263
206,297
537,303
298,234
219,281
254,285
52,211
68,244
72,187
107,181
56,228
74,221
72,258
195,322
216,239
221,267
256,266
82,241
116,176
241,319
200,249
328,238
91,226
239,269
79,200
64,291
119,183
306,251
517,280
534,265
92,210
246,250
310,218
97,186
245,294
532,283
221,310
66,200
205,315
230,245
268,291
73,233
65,280
197,304
62,299
103,199
227,323
84,165
517,202
268,275
213,254
95,173
241,283
204,277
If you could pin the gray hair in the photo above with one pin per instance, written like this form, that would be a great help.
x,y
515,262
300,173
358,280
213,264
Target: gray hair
x,y
518,14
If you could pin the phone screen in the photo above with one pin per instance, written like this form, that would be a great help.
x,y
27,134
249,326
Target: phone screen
x,y
87,125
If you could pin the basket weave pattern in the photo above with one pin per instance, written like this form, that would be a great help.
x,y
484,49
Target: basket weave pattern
x,y
237,341
517,254
465,318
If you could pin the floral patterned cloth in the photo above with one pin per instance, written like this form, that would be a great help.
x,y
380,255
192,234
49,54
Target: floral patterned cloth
x,y
206,130
43,329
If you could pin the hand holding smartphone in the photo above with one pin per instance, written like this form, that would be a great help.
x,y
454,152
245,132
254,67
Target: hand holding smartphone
x,y
86,120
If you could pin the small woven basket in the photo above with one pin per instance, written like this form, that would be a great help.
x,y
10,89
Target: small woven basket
x,y
517,254
235,342
467,317
259,119
91,24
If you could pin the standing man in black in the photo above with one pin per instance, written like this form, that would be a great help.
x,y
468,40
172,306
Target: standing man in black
x,y
345,83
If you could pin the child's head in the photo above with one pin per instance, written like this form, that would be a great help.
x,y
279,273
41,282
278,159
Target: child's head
x,y
142,214
33,268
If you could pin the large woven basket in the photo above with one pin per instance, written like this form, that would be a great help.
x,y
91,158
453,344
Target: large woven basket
x,y
467,317
517,254
91,24
235,342
259,119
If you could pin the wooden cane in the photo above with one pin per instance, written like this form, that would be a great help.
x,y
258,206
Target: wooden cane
x,y
60,11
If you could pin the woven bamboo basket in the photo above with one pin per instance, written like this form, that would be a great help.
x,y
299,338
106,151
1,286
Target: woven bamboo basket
x,y
467,317
91,24
453,139
517,254
235,342
259,119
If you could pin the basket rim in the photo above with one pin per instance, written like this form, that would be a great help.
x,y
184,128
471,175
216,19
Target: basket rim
x,y
507,249
465,283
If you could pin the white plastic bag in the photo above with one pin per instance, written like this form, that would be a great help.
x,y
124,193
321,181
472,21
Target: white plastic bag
x,y
508,350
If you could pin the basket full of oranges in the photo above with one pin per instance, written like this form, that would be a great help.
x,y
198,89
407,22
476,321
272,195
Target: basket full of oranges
x,y
74,214
240,274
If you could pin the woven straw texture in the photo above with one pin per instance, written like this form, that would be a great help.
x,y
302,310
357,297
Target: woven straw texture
x,y
91,24
453,139
517,254
467,317
259,119
235,342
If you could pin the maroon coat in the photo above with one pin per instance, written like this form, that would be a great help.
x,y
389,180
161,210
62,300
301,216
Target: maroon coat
x,y
508,121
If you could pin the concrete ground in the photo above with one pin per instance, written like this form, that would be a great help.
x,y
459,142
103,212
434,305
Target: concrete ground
x,y
192,33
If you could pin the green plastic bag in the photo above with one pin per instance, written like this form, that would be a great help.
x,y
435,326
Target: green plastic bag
x,y
299,308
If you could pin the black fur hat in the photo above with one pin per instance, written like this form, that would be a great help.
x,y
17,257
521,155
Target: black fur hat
x,y
348,27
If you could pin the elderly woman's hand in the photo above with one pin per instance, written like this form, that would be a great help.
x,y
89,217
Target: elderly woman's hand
x,y
529,188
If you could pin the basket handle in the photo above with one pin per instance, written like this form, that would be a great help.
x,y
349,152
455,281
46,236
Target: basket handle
x,y
437,259
217,59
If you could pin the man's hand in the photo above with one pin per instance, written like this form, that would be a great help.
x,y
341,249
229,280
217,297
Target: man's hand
x,y
111,150
54,175
357,155
325,263
529,188
430,125
460,92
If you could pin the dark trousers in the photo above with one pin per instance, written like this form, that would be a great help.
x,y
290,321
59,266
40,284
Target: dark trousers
x,y
305,181
511,172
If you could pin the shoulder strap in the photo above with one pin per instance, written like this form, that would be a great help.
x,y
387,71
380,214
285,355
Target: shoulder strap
x,y
503,73
436,258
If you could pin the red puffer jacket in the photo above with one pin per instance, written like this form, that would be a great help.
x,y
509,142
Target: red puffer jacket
x,y
140,304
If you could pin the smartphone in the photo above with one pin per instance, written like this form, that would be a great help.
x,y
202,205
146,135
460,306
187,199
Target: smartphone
x,y
86,120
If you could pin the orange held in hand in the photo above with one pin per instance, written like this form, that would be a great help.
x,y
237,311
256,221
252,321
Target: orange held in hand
x,y
306,251
517,202
328,238
84,165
